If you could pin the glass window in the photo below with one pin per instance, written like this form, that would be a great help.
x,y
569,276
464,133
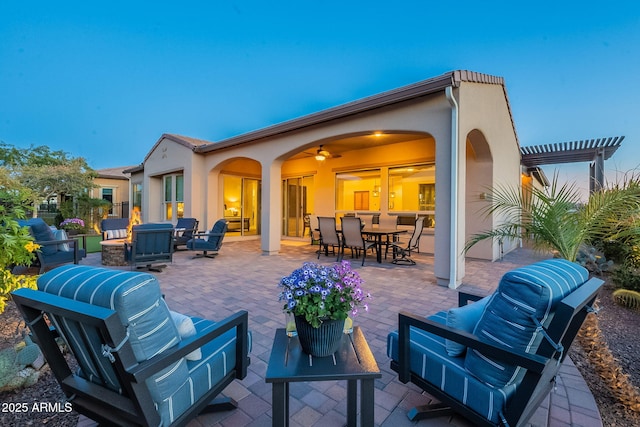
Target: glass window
x,y
173,196
137,196
107,194
412,188
358,191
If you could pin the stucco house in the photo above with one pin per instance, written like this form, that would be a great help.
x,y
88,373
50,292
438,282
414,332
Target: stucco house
x,y
112,184
431,148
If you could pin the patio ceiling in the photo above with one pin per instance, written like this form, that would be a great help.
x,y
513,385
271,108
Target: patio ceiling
x,y
337,147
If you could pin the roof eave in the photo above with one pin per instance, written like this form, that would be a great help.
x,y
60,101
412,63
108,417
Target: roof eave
x,y
405,93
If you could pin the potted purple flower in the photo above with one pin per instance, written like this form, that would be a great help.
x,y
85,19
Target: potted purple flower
x,y
321,298
72,225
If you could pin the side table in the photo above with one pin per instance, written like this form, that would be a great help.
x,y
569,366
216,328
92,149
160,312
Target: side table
x,y
352,362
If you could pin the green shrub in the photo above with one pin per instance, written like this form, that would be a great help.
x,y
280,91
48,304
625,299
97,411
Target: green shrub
x,y
626,276
17,247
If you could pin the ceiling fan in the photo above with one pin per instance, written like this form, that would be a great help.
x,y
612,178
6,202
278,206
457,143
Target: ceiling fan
x,y
322,154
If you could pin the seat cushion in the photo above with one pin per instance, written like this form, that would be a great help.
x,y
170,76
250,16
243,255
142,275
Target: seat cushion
x,y
430,361
217,360
524,294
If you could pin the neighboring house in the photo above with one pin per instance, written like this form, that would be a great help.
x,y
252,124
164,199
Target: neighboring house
x,y
113,185
431,148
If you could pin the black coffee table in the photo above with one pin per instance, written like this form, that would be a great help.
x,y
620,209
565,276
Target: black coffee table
x,y
352,362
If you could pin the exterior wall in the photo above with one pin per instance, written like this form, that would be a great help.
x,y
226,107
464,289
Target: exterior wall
x,y
170,157
486,110
120,189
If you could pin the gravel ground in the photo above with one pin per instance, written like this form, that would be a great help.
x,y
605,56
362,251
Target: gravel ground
x,y
619,325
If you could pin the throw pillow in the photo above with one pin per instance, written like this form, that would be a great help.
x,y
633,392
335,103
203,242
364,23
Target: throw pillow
x,y
62,235
186,329
464,318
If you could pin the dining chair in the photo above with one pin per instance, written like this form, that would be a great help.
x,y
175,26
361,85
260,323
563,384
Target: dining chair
x,y
328,235
353,239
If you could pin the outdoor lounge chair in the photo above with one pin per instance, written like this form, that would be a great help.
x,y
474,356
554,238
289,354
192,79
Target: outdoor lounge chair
x,y
494,361
353,239
184,231
402,253
139,363
53,252
150,245
114,228
328,235
210,241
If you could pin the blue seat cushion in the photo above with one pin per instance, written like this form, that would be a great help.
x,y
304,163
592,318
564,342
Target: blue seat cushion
x,y
525,296
217,360
430,361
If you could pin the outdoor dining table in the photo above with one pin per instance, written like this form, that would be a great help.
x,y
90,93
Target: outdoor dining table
x,y
378,234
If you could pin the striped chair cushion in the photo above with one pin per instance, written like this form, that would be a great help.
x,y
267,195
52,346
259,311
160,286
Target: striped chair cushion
x,y
137,299
116,234
524,294
217,360
429,360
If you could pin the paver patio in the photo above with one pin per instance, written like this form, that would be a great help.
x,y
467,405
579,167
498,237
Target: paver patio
x,y
242,278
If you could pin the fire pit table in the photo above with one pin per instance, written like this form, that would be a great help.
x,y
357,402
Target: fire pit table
x,y
113,252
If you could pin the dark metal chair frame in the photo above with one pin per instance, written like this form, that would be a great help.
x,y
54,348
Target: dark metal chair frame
x,y
402,254
190,226
135,405
541,367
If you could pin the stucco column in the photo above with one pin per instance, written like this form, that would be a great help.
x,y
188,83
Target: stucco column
x,y
442,235
271,209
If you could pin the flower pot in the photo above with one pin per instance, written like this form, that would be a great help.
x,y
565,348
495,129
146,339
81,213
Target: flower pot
x,y
322,341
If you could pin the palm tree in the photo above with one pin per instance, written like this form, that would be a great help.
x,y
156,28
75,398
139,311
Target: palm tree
x,y
554,219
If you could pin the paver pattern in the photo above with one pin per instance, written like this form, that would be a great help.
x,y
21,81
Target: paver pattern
x,y
242,277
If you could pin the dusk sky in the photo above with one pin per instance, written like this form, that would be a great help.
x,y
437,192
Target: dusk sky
x,y
105,81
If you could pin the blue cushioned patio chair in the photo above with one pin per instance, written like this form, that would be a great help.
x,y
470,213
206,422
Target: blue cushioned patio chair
x,y
495,360
138,363
210,241
185,229
53,252
114,228
150,245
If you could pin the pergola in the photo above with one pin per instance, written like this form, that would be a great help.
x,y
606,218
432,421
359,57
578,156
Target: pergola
x,y
595,151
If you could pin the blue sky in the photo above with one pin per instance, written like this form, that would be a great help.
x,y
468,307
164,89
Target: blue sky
x,y
105,81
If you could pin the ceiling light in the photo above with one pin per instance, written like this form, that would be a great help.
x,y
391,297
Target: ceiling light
x,y
377,133
320,157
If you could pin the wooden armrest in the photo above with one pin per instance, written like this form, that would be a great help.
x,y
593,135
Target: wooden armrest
x,y
145,369
406,320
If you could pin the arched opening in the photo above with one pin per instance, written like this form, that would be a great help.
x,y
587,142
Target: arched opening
x,y
236,196
479,180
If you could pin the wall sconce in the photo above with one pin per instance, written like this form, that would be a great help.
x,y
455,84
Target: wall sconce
x,y
392,194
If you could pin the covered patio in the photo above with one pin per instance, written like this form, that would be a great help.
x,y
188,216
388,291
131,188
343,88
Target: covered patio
x,y
240,277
